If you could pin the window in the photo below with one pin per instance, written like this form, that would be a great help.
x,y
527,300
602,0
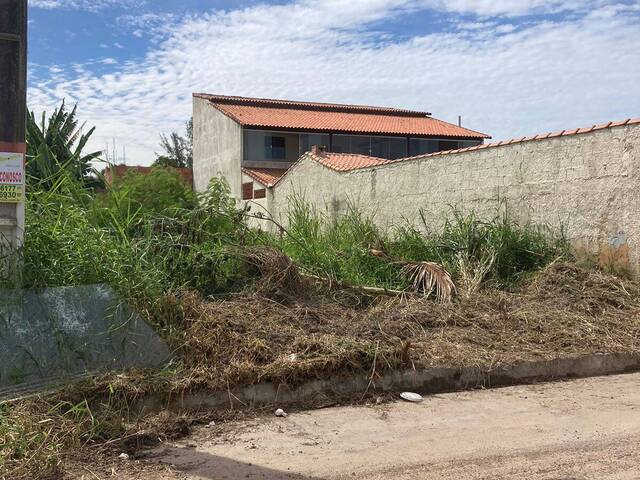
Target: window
x,y
361,145
447,145
389,147
274,148
270,146
397,148
341,144
421,146
247,190
351,144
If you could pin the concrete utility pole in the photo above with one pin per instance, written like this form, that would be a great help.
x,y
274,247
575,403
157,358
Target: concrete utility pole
x,y
13,100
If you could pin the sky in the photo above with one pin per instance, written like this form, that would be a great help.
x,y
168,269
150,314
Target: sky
x,y
510,68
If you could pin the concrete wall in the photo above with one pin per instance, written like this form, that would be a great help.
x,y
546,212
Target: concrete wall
x,y
217,147
587,183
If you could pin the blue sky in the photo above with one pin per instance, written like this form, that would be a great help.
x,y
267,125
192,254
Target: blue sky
x,y
509,67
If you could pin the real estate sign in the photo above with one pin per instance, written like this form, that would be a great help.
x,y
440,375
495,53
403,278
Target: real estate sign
x,y
11,177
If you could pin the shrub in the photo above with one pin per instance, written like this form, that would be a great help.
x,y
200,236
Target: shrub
x,y
142,251
160,191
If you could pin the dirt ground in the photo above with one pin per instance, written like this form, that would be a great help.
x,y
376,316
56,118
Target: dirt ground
x,y
580,429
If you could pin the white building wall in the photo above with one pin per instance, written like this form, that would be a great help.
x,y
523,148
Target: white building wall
x,y
588,184
217,147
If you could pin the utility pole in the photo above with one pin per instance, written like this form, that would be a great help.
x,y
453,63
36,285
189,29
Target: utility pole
x,y
13,104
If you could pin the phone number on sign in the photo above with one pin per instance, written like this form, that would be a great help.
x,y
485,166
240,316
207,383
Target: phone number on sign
x,y
10,192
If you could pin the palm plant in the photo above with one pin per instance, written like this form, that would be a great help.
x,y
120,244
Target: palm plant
x,y
56,144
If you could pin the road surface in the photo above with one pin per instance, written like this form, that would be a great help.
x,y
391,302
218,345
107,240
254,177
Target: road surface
x,y
582,429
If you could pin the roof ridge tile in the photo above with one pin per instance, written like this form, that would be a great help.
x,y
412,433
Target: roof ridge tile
x,y
233,99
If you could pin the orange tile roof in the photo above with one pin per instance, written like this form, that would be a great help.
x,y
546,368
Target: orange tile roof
x,y
329,117
343,162
266,176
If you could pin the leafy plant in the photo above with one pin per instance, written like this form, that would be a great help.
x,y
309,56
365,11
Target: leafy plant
x,y
57,143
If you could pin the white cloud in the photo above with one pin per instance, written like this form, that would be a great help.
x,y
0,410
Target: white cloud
x,y
90,5
512,8
544,75
156,26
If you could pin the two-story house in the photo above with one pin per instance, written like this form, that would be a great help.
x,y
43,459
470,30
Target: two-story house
x,y
253,141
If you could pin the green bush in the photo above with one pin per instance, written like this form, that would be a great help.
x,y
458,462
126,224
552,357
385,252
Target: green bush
x,y
73,238
198,246
158,192
63,246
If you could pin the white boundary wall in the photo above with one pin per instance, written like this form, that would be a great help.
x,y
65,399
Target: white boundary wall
x,y
588,183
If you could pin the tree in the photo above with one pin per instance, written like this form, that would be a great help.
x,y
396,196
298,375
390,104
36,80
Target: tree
x,y
177,150
57,143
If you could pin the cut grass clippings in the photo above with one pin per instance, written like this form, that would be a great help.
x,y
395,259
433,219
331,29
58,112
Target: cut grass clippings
x,y
562,311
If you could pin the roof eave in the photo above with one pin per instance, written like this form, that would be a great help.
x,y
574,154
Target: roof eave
x,y
475,136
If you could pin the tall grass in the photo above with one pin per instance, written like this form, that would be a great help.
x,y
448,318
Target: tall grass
x,y
475,250
336,249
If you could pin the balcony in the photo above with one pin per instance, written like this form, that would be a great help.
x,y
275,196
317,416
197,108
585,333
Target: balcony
x,y
273,149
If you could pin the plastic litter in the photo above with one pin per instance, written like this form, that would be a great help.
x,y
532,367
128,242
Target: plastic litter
x,y
411,397
280,413
123,456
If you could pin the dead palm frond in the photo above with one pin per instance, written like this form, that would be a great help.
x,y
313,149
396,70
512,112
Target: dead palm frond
x,y
425,277
428,278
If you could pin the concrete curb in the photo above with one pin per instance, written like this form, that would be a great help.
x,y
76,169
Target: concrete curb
x,y
430,380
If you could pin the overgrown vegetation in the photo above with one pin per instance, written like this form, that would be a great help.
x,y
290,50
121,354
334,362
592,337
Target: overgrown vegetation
x,y
498,251
154,236
563,310
240,306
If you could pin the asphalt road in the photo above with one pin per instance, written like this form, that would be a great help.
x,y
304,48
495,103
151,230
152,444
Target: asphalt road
x,y
580,429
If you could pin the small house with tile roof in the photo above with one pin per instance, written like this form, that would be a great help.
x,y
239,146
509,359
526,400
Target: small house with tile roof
x,y
252,142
